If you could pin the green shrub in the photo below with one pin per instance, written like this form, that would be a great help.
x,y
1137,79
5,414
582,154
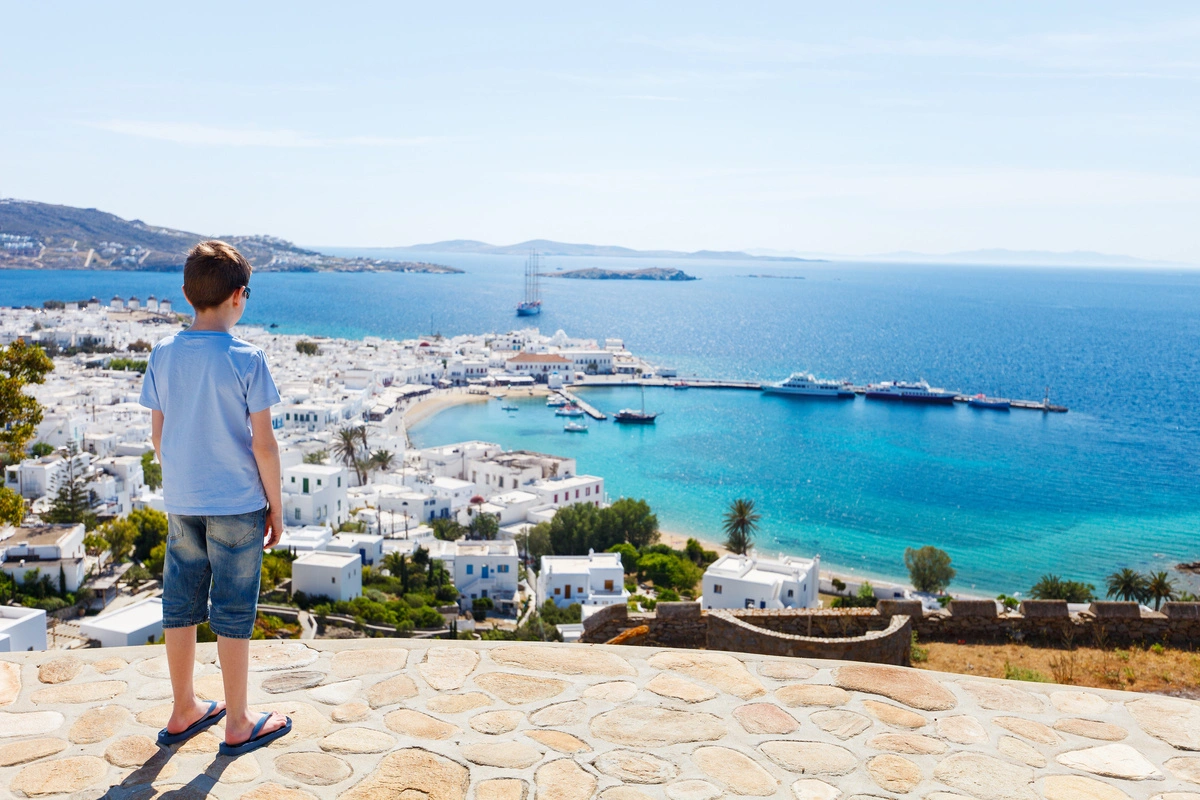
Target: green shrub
x,y
918,654
1014,673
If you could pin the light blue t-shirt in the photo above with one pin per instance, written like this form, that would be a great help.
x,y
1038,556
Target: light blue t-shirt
x,y
207,384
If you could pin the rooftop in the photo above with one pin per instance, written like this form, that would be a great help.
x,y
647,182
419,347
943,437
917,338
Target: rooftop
x,y
130,618
324,558
484,720
40,535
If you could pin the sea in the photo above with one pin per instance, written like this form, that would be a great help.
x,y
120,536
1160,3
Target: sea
x,y
1011,496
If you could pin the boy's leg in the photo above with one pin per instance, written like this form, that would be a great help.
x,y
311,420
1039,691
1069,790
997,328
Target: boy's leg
x,y
185,604
235,548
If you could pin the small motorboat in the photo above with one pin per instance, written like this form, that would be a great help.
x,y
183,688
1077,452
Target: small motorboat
x,y
570,411
993,403
557,401
575,427
509,408
679,385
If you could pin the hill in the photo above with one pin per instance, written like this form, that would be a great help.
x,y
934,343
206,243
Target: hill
x,y
44,236
548,247
647,274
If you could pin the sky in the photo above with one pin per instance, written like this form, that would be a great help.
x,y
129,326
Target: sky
x,y
846,127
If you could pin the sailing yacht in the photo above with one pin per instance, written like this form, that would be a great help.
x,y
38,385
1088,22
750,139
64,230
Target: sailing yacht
x,y
532,304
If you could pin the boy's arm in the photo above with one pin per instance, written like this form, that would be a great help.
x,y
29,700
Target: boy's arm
x,y
156,426
266,455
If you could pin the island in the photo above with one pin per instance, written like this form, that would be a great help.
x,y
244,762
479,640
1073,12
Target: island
x,y
45,236
646,274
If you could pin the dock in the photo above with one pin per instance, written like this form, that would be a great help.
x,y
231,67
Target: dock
x,y
588,409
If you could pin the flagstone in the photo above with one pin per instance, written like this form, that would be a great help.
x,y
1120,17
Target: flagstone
x,y
457,703
107,666
391,691
1186,769
812,694
314,769
840,723
811,758
911,743
417,725
560,741
97,724
962,729
1175,721
571,712
693,790
786,670
1075,702
984,777
735,770
275,791
60,670
508,755
765,718
1091,729
1001,697
611,691
132,751
636,767
562,660
564,780
495,723
292,681
412,773
894,715
447,668
30,750
78,692
29,723
285,655
649,726
1017,750
373,661
224,769
814,789
59,775
894,773
518,689
723,671
357,740
908,686
10,683
1110,760
335,694
501,789
350,712
671,686
1077,787
1033,731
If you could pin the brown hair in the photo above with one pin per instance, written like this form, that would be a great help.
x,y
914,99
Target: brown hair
x,y
213,271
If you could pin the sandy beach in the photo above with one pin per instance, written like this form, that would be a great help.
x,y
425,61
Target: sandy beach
x,y
439,401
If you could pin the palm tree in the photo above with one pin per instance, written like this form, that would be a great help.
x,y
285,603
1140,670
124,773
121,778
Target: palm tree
x,y
345,445
1160,587
1127,584
383,459
741,523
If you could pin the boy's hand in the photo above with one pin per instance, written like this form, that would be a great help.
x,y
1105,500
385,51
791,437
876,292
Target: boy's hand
x,y
274,529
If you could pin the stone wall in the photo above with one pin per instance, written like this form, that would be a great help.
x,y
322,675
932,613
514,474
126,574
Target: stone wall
x,y
1050,622
741,633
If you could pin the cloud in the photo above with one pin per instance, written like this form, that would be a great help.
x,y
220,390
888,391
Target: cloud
x,y
213,136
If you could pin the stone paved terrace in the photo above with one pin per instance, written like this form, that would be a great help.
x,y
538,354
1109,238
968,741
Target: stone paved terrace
x,y
504,721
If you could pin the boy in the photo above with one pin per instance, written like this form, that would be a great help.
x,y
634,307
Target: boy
x,y
211,396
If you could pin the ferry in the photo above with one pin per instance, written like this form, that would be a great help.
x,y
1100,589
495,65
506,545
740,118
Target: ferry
x,y
575,427
908,392
810,386
993,403
569,411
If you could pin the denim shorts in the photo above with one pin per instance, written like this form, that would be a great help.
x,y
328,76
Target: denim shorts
x,y
217,559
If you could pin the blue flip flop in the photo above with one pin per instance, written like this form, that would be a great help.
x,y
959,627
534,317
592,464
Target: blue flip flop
x,y
255,741
209,719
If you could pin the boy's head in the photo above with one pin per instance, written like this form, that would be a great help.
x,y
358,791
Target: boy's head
x,y
213,273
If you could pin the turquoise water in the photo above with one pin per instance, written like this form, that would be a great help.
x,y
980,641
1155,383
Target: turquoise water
x,y
1010,496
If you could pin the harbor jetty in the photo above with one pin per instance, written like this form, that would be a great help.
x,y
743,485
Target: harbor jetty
x,y
588,409
1044,405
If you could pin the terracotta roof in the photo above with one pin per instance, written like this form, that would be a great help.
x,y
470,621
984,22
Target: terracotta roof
x,y
539,358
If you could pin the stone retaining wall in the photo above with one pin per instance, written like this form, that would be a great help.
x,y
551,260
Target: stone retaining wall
x,y
741,633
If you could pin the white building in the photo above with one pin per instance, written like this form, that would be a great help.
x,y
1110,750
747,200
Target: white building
x,y
305,539
46,548
539,366
734,581
22,629
559,492
314,494
595,579
486,569
135,624
367,546
322,574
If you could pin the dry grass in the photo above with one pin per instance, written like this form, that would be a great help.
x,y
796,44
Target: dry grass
x,y
1167,671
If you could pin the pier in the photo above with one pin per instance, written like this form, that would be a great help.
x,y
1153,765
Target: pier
x,y
588,409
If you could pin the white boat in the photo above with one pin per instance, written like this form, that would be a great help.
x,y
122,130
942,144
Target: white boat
x,y
570,411
575,427
556,401
805,383
918,392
